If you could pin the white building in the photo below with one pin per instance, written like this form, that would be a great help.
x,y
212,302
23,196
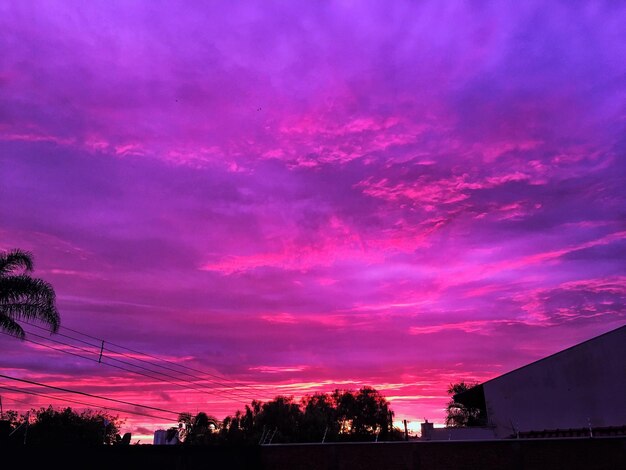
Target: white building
x,y
570,393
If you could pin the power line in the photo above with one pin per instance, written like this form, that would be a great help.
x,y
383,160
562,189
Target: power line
x,y
248,396
61,334
239,384
69,400
13,399
78,355
145,368
91,395
230,394
233,393
48,346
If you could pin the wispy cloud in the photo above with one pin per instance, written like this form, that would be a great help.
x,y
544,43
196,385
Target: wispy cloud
x,y
303,197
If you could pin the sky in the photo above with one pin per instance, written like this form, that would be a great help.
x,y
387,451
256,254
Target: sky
x,y
303,196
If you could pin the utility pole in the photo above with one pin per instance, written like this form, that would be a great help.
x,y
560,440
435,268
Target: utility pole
x,y
101,351
406,430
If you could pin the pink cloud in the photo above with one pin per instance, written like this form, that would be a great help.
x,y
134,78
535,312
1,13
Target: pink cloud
x,y
299,198
472,326
276,369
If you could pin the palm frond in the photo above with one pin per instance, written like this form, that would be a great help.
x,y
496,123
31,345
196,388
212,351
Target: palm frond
x,y
11,326
14,259
13,288
43,312
23,297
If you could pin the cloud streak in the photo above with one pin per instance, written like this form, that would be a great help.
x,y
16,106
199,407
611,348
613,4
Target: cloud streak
x,y
305,196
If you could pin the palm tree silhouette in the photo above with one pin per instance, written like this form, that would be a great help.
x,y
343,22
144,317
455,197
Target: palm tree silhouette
x,y
23,297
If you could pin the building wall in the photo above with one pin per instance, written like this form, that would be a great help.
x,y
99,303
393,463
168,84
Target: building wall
x,y
458,434
531,454
582,385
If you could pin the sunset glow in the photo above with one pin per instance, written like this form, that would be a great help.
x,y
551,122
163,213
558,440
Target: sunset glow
x,y
303,196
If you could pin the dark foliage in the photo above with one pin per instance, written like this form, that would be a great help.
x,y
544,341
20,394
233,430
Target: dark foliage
x,y
343,415
197,430
23,297
457,414
66,427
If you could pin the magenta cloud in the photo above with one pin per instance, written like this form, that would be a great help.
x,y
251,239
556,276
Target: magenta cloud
x,y
304,196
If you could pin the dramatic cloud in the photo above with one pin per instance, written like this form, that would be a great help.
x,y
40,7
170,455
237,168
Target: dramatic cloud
x,y
297,196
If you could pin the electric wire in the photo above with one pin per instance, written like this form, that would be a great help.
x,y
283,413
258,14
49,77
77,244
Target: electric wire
x,y
14,399
69,400
91,395
231,393
239,384
111,365
81,356
235,391
99,360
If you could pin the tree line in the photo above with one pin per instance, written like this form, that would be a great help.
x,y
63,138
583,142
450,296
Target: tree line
x,y
340,416
64,426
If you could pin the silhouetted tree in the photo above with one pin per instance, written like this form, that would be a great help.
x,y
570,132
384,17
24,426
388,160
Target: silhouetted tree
x,y
65,427
281,418
199,429
23,297
243,427
363,415
319,419
231,430
373,414
345,404
459,415
250,421
342,415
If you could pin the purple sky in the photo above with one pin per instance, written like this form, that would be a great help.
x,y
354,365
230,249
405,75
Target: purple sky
x,y
316,194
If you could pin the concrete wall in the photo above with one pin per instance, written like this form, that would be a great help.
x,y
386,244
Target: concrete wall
x,y
458,434
581,385
532,454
